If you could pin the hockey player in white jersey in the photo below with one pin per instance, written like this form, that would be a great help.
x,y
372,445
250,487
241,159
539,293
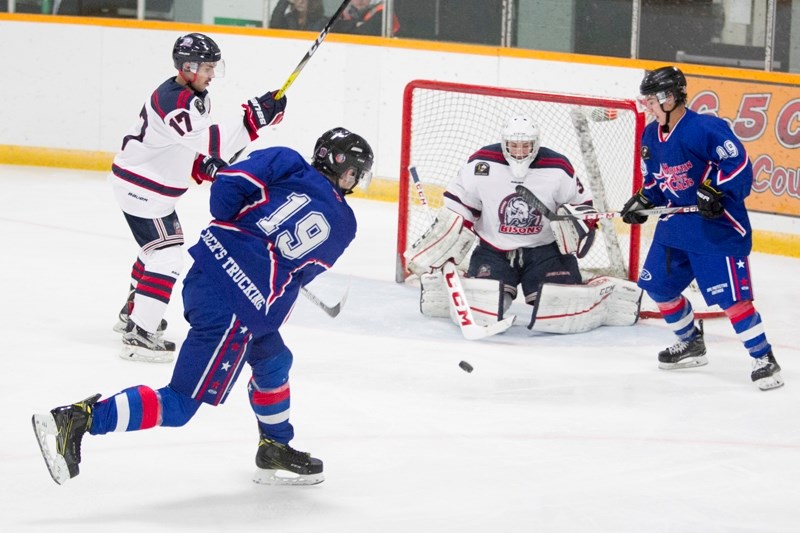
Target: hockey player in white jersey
x,y
516,244
174,139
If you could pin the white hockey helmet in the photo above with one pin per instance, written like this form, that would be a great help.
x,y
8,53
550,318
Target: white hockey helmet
x,y
522,131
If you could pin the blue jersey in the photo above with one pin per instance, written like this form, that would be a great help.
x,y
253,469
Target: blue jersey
x,y
278,224
699,148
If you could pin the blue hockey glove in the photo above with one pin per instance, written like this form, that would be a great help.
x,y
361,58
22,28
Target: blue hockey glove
x,y
636,202
263,111
205,168
709,200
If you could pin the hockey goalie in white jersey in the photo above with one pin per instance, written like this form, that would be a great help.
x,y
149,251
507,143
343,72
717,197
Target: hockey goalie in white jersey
x,y
516,244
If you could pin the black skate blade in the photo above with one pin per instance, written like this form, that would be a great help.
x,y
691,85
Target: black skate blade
x,y
44,425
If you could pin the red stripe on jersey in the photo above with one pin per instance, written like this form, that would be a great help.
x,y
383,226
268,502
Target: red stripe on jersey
x,y
151,407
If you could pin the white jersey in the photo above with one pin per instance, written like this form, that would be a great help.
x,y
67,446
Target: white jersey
x,y
484,193
154,167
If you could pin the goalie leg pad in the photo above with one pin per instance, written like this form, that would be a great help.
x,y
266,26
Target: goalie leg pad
x,y
447,239
485,297
603,301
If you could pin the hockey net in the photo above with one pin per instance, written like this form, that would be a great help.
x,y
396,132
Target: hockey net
x,y
444,123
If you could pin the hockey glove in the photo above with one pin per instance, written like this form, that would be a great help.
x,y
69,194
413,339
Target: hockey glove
x,y
574,236
709,200
263,111
637,201
205,168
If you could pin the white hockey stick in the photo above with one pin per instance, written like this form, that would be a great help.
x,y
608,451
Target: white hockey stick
x,y
333,310
458,298
532,199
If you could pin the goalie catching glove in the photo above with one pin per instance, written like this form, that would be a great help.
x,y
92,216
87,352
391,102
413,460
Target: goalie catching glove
x,y
261,112
447,239
574,236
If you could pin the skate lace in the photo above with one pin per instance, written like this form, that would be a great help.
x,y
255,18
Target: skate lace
x,y
761,362
678,347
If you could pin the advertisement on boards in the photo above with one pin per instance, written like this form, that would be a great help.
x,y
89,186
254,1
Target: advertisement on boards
x,y
766,118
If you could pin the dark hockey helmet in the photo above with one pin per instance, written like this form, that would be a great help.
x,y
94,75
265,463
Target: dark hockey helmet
x,y
662,81
195,48
337,151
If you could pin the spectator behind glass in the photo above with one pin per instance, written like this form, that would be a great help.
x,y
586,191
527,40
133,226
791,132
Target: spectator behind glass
x,y
298,15
364,17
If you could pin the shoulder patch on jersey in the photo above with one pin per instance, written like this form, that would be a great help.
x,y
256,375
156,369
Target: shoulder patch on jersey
x,y
201,107
481,168
645,152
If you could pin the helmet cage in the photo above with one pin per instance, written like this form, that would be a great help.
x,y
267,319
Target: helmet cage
x,y
520,129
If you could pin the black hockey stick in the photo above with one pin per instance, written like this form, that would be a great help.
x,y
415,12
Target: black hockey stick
x,y
537,204
321,37
317,43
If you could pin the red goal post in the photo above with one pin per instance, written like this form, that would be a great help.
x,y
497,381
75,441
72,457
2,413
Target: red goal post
x,y
444,123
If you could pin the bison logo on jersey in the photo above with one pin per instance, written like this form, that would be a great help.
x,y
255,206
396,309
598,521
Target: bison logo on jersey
x,y
518,217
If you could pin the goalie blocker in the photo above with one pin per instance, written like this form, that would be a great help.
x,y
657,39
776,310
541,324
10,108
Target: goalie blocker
x,y
603,301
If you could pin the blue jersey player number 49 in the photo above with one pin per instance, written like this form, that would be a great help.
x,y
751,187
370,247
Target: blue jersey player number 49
x,y
688,159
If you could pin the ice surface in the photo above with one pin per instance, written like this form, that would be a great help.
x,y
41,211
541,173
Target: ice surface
x,y
549,433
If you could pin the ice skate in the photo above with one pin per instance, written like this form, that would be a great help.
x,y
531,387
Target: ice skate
x,y
280,464
141,345
766,372
68,425
685,354
124,315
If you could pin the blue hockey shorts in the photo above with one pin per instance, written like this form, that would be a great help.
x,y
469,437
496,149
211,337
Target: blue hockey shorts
x,y
723,280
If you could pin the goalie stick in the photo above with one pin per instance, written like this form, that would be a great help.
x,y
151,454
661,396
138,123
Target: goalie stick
x,y
532,199
455,289
331,311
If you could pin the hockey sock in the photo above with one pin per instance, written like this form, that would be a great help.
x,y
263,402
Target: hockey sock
x,y
678,314
272,411
747,324
132,409
136,272
141,407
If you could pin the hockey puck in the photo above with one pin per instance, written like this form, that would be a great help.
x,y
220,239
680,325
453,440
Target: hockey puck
x,y
466,367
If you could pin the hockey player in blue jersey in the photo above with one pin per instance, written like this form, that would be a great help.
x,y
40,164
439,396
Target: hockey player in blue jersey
x,y
278,223
688,159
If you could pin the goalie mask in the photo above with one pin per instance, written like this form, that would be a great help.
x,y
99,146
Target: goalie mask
x,y
344,158
520,143
196,48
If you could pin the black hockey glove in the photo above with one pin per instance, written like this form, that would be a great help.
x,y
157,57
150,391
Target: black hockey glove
x,y
636,202
205,168
709,200
263,111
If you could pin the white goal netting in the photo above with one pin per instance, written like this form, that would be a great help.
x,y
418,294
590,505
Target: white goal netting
x,y
444,123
